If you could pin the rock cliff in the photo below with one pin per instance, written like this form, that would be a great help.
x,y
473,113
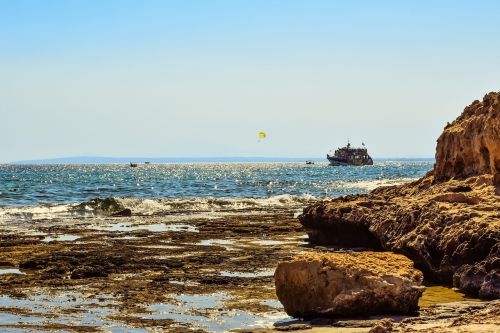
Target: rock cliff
x,y
447,222
470,146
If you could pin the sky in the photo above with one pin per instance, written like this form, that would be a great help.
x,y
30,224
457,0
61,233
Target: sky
x,y
202,78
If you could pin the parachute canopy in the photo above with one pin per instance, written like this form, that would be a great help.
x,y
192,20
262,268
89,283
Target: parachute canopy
x,y
262,135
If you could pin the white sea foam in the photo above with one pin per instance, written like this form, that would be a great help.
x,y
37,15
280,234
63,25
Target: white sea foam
x,y
369,185
151,206
36,212
186,206
106,207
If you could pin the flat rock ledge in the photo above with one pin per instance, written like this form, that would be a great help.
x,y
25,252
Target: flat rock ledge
x,y
346,284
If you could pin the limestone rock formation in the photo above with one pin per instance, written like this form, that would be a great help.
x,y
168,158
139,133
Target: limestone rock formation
x,y
448,222
470,146
348,284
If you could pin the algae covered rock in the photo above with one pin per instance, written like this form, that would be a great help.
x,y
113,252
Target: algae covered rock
x,y
348,284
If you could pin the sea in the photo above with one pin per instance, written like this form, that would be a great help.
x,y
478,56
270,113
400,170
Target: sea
x,y
53,191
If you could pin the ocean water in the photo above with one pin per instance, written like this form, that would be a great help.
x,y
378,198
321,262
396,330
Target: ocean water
x,y
42,191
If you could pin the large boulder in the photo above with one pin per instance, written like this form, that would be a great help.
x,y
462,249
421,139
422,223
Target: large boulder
x,y
348,284
447,222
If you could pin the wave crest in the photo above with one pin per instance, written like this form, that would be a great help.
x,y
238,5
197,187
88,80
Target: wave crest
x,y
139,206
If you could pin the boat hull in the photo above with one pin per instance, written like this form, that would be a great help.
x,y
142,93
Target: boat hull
x,y
340,162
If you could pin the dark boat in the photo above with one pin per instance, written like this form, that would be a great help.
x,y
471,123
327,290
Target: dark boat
x,y
350,156
133,165
309,162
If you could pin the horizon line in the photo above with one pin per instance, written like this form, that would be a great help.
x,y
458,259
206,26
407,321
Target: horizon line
x,y
89,159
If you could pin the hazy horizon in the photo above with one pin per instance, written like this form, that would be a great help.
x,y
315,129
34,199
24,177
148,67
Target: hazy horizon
x,y
192,78
194,159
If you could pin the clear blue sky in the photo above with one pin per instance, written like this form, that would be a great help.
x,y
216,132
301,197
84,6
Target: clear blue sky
x,y
202,78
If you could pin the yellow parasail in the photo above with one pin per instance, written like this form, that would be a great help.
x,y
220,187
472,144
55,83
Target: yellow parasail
x,y
262,135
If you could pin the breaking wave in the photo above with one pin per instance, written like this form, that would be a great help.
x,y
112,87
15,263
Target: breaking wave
x,y
109,206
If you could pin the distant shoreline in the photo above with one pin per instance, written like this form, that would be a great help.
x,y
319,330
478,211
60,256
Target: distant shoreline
x,y
158,160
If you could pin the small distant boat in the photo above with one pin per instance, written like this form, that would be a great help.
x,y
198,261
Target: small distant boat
x,y
147,162
133,165
309,162
350,156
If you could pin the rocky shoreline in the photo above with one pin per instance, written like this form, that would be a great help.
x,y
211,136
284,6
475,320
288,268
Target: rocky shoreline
x,y
144,273
450,239
447,223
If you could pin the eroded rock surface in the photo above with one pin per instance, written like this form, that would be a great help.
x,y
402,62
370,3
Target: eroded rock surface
x,y
470,145
448,222
348,284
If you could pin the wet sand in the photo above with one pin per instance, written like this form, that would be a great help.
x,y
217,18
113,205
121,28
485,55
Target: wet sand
x,y
145,273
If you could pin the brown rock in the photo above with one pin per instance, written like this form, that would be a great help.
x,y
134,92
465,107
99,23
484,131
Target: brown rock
x,y
470,145
292,327
4,264
448,222
123,213
382,326
348,284
496,179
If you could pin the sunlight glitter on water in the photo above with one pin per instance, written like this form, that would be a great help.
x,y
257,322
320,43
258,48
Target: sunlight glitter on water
x,y
121,227
46,185
68,308
207,312
60,238
10,271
